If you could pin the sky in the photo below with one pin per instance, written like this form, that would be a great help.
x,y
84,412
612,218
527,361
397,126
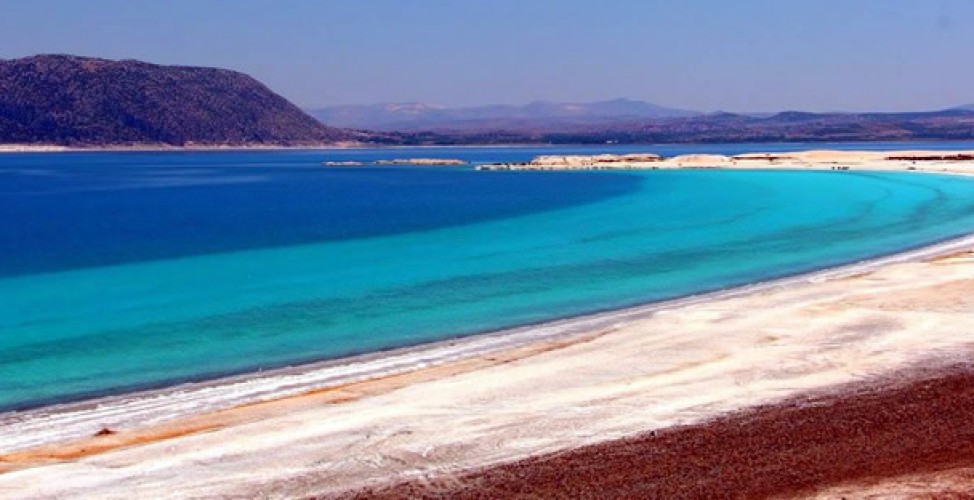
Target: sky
x,y
707,55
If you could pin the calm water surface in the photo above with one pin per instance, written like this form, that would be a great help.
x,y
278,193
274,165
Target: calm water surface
x,y
121,271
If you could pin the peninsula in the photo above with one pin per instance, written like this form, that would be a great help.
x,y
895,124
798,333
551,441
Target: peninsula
x,y
933,161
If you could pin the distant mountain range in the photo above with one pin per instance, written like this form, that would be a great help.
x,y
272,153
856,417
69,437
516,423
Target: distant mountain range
x,y
790,126
411,117
627,121
80,101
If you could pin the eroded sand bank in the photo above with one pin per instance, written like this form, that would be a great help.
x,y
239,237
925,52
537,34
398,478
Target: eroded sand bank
x,y
681,364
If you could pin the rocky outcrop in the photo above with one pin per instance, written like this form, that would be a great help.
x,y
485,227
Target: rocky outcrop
x,y
421,161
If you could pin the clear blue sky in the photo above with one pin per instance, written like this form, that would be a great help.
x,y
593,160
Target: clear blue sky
x,y
735,55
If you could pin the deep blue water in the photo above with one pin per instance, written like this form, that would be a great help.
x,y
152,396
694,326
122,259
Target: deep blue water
x,y
89,212
128,270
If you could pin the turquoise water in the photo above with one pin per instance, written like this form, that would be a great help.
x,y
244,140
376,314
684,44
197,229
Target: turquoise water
x,y
237,276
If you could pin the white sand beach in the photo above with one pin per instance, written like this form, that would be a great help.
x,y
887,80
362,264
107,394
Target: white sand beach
x,y
925,161
677,364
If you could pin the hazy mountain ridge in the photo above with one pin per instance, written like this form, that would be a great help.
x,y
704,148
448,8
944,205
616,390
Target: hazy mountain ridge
x,y
411,117
627,121
81,101
789,126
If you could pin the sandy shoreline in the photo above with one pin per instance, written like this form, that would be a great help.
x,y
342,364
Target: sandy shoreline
x,y
707,359
905,436
958,161
435,412
61,422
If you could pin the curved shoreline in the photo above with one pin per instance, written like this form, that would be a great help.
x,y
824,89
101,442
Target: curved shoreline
x,y
456,347
680,366
24,429
187,415
705,360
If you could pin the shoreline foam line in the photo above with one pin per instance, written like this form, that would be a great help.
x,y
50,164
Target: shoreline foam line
x,y
27,429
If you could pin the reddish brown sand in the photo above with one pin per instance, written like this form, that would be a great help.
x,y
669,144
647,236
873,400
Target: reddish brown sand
x,y
858,437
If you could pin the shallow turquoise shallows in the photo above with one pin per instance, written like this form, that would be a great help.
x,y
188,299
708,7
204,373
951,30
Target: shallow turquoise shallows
x,y
220,303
